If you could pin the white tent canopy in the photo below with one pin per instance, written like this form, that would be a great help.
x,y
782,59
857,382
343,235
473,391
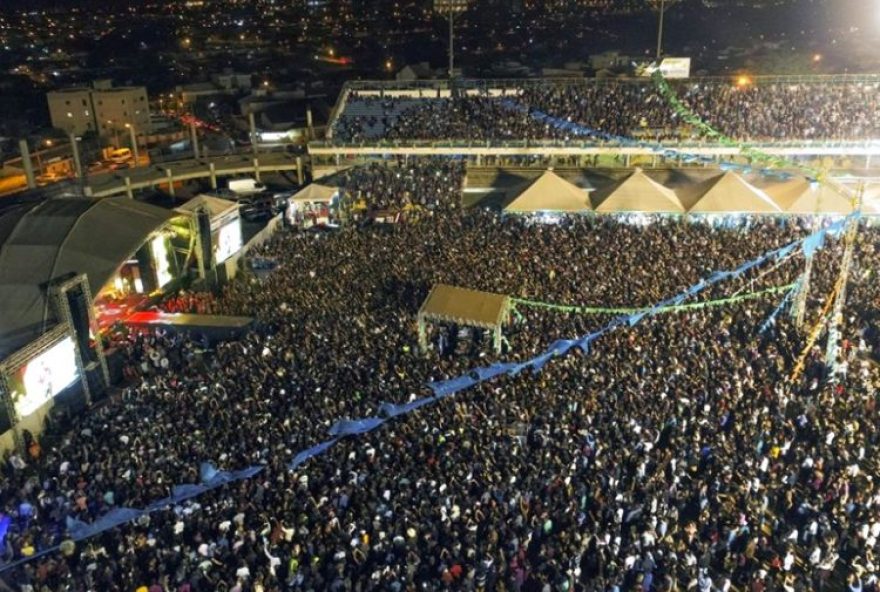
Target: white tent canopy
x,y
216,206
729,193
821,199
316,193
637,193
550,193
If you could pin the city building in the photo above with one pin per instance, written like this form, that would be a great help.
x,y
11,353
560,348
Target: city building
x,y
103,109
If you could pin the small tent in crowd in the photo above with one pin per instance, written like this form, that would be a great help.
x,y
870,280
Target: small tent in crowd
x,y
550,193
637,193
316,193
462,306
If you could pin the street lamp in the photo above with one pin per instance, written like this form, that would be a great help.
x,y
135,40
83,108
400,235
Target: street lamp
x,y
451,8
134,144
112,122
661,6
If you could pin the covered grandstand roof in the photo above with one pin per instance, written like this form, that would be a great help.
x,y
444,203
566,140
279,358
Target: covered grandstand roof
x,y
45,241
729,193
550,193
464,306
637,193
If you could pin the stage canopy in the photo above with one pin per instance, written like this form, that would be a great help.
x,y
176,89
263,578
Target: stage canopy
x,y
550,193
728,194
46,241
451,304
637,193
217,207
316,193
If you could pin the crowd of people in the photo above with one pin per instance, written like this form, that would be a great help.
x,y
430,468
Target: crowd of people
x,y
189,302
424,183
678,454
754,112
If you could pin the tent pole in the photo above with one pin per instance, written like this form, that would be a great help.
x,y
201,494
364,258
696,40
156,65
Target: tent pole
x,y
423,336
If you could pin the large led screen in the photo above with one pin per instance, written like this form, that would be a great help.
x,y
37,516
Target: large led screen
x,y
44,377
228,241
160,257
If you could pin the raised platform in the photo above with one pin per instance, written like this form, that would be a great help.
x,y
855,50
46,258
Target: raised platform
x,y
213,326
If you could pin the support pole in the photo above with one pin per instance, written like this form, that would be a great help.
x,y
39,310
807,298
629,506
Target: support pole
x,y
256,168
300,174
134,144
170,176
660,30
451,44
77,163
423,335
253,127
194,139
213,171
834,321
310,125
128,190
27,164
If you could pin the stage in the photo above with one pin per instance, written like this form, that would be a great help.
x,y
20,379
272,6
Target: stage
x,y
212,326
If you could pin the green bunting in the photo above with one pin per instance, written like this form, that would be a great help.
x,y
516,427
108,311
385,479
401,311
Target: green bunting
x,y
672,308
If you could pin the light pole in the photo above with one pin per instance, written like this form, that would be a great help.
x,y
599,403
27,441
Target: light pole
x,y
77,163
450,8
134,143
112,122
661,6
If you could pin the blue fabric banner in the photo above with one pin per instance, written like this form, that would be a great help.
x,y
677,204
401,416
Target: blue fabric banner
x,y
634,319
247,473
350,427
444,388
490,372
390,410
180,493
538,362
305,455
813,243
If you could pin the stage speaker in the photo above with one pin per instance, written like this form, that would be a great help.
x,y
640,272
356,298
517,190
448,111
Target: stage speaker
x,y
145,266
204,220
79,316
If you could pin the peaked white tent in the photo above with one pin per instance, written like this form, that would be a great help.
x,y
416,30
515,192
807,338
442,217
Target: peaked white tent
x,y
729,193
784,193
637,193
550,193
821,199
316,192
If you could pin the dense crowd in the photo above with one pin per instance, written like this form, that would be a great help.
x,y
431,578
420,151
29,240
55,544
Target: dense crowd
x,y
423,183
675,455
765,111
